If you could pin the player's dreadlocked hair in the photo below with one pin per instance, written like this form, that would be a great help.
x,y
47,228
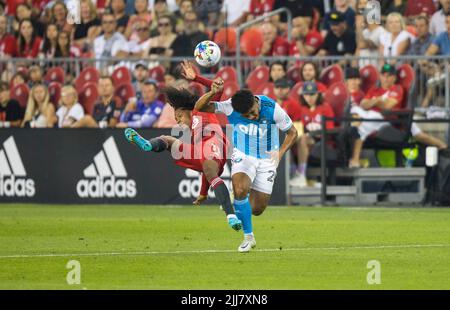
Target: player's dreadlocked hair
x,y
180,98
242,101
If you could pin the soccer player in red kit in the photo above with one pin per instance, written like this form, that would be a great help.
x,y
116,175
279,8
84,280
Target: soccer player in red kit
x,y
206,149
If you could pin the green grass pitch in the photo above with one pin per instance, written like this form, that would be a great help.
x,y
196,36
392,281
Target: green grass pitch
x,y
174,247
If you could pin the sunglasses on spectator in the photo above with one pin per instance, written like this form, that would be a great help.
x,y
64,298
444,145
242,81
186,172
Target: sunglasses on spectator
x,y
141,29
108,22
163,24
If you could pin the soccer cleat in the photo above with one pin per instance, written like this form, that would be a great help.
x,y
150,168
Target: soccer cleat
x,y
299,181
235,223
133,137
248,244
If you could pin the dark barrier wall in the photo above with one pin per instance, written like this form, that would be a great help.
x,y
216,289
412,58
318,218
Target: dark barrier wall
x,y
96,166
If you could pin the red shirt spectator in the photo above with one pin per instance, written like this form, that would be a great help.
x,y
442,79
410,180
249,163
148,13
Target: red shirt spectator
x,y
313,39
7,44
293,109
260,7
356,97
273,45
280,47
11,6
315,115
29,50
394,92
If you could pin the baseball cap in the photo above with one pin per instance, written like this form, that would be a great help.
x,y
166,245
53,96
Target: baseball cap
x,y
388,68
309,88
140,64
352,73
336,17
282,83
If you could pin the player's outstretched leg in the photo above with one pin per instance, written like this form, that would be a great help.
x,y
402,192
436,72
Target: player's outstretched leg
x,y
155,144
211,171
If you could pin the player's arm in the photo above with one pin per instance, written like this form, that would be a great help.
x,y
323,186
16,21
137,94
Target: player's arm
x,y
284,123
189,74
205,103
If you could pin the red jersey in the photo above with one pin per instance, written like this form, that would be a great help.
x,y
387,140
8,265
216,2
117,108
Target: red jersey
x,y
313,39
357,97
292,108
29,50
280,47
7,45
309,116
260,7
394,92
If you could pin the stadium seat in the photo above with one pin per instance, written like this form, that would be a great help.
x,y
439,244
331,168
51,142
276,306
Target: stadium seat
x,y
20,93
54,89
157,73
88,96
227,73
257,77
124,92
332,74
417,7
294,73
197,88
406,78
296,91
226,39
55,74
119,103
252,42
89,74
337,96
229,89
267,89
369,77
121,76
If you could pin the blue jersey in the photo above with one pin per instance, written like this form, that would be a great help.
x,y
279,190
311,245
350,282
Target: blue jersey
x,y
256,137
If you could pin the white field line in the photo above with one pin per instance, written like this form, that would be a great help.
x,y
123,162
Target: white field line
x,y
368,247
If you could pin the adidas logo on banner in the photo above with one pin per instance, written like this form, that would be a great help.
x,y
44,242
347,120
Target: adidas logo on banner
x,y
13,177
190,187
107,176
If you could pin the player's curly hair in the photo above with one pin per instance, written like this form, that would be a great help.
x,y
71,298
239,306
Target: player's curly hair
x,y
242,101
180,98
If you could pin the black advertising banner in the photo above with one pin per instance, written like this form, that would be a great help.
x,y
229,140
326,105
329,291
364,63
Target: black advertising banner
x,y
97,166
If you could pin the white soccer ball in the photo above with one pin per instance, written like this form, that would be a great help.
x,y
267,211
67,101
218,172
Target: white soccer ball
x,y
207,54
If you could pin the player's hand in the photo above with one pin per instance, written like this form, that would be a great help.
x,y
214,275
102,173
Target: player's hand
x,y
199,200
188,71
274,157
217,86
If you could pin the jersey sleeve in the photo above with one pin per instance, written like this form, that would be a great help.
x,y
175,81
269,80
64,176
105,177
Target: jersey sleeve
x,y
207,83
224,107
282,120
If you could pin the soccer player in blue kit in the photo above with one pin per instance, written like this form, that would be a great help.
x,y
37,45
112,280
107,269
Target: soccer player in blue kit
x,y
256,121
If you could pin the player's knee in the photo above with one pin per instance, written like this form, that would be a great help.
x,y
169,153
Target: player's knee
x,y
258,211
240,192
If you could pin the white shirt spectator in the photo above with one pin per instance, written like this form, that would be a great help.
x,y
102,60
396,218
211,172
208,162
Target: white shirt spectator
x,y
437,23
171,4
235,10
374,36
109,48
64,115
391,47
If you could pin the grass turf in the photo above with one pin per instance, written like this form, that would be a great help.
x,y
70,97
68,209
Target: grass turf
x,y
311,248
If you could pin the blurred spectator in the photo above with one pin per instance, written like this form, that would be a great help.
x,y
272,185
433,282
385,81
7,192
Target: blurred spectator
x,y
437,23
353,83
341,40
367,37
392,6
118,8
70,110
306,41
59,14
145,112
185,43
65,49
140,75
348,14
160,9
141,13
312,108
106,112
140,47
85,33
424,38
209,13
184,7
273,45
7,41
36,76
167,117
110,42
388,96
441,44
160,45
40,112
169,79
23,12
310,73
277,71
297,8
233,14
20,77
292,107
396,40
29,43
48,47
10,111
259,7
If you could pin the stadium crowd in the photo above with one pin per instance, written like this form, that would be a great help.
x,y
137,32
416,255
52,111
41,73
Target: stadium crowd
x,y
36,92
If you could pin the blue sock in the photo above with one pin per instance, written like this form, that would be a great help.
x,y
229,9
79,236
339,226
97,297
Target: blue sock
x,y
243,211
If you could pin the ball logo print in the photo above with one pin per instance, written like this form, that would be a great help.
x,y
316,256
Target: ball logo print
x,y
13,176
207,54
106,176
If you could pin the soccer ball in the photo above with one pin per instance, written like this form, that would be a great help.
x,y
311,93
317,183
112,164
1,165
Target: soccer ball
x,y
207,54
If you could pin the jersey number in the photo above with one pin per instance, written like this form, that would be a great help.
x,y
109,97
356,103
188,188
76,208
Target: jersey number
x,y
271,179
